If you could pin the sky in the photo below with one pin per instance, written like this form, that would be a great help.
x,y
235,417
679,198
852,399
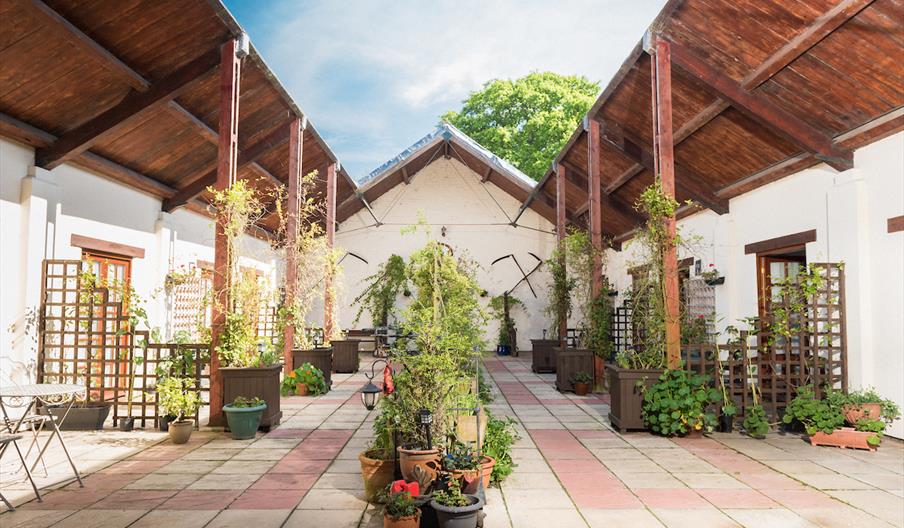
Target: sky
x,y
375,75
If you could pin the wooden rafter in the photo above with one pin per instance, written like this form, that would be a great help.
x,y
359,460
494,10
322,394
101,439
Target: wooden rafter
x,y
486,174
575,178
762,110
133,106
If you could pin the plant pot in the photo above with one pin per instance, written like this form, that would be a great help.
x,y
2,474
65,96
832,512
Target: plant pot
x,y
854,412
428,514
413,521
715,282
426,459
581,389
458,517
377,474
570,361
726,423
626,400
466,428
163,422
90,417
470,478
180,430
543,355
243,421
126,424
845,437
260,383
503,350
322,358
301,389
345,355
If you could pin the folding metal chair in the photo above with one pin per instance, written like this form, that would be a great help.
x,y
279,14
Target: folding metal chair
x,y
5,439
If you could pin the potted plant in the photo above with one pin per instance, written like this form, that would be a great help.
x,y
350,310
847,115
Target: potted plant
x,y
677,404
824,418
400,511
500,308
377,462
468,467
501,436
867,404
303,381
727,414
178,397
633,370
581,382
455,509
711,276
244,416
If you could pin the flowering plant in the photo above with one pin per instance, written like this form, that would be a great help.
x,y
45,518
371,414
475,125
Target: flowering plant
x,y
305,374
711,273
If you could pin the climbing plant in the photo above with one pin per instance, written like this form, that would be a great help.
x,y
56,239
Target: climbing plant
x,y
382,290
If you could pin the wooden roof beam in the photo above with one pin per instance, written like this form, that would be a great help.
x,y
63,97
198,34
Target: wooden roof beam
x,y
132,106
762,110
577,179
275,138
45,15
486,174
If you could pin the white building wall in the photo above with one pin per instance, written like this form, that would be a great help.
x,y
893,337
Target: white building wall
x,y
849,212
476,217
40,211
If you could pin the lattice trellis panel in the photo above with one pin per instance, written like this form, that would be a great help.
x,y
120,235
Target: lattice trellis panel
x,y
622,330
191,300
267,323
700,301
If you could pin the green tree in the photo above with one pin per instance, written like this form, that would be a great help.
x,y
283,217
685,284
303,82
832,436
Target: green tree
x,y
528,120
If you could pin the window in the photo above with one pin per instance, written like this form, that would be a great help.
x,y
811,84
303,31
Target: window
x,y
774,266
110,269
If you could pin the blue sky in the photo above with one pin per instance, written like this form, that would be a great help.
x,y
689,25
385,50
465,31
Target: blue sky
x,y
374,76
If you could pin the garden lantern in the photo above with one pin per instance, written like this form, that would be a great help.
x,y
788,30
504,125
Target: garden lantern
x,y
370,394
425,418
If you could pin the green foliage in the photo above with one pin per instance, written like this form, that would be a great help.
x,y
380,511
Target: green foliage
x,y
307,374
755,422
695,330
890,410
677,404
484,392
460,457
560,290
383,287
497,309
177,397
452,497
582,377
500,437
598,334
816,415
527,121
242,402
794,294
398,505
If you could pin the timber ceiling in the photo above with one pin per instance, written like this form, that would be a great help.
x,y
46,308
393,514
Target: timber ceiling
x,y
130,89
761,89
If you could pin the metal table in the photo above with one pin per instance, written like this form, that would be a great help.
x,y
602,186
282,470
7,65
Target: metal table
x,y
28,396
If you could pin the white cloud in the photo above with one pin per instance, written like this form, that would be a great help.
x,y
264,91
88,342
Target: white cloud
x,y
384,71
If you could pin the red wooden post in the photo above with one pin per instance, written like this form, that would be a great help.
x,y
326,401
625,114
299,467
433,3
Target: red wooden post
x,y
328,300
296,131
592,126
665,165
560,233
227,154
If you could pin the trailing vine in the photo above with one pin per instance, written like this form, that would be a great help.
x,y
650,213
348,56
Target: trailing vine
x,y
383,288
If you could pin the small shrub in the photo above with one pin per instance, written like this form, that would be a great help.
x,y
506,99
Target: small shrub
x,y
307,374
755,423
398,505
677,404
242,402
500,437
816,415
582,377
452,497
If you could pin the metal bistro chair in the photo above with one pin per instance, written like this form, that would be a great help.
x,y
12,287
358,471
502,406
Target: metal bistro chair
x,y
6,438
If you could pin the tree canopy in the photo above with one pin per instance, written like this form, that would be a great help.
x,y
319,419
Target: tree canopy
x,y
528,120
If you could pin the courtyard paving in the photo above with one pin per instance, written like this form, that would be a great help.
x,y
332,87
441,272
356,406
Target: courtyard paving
x,y
573,471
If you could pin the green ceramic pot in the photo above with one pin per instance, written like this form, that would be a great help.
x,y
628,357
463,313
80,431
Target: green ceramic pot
x,y
243,421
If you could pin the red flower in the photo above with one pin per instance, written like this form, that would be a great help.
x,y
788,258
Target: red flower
x,y
388,384
412,488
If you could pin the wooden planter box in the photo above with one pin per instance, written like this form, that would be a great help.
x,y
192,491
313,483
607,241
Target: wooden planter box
x,y
544,354
262,383
844,437
345,355
626,400
321,358
570,361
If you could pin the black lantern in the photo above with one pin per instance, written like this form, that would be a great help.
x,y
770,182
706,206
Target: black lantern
x,y
370,394
425,418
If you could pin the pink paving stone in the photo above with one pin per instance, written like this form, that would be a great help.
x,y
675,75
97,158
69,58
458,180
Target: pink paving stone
x,y
574,467
312,454
328,401
134,467
288,433
106,481
331,433
200,500
737,498
618,499
133,500
768,480
593,434
286,481
556,402
593,481
671,498
287,465
67,500
568,454
268,500
802,498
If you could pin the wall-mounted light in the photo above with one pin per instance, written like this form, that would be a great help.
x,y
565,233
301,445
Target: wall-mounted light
x,y
443,231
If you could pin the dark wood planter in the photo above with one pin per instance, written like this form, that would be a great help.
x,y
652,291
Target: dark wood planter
x,y
570,361
90,417
544,354
262,383
322,358
626,399
345,355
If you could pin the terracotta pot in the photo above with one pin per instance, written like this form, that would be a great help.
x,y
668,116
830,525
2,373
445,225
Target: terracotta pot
x,y
470,478
581,389
180,431
301,389
376,473
413,521
694,433
844,437
427,459
854,412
